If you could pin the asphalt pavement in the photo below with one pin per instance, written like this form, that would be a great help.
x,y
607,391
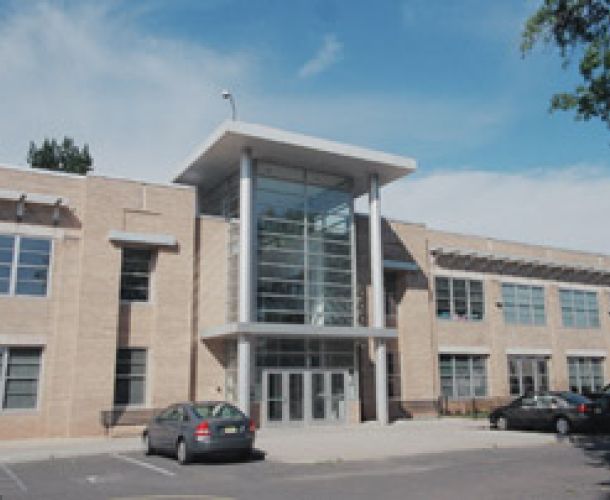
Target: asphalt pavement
x,y
575,468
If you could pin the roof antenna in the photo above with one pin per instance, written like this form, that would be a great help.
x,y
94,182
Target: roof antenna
x,y
227,95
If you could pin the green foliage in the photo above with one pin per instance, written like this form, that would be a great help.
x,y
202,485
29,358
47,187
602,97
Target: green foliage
x,y
64,157
577,27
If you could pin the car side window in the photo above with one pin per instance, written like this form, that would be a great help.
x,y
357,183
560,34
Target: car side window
x,y
165,414
546,402
528,403
228,411
173,414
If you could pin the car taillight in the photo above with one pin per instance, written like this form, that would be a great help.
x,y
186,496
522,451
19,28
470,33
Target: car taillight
x,y
581,408
203,429
252,426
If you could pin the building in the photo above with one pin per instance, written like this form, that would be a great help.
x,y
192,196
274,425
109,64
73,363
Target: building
x,y
251,279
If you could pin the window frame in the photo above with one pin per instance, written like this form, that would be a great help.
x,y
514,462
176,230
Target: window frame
x,y
15,265
471,376
122,376
536,375
394,376
590,361
4,357
592,322
517,305
152,264
468,297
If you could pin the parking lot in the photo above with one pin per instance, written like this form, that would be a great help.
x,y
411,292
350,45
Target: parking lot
x,y
549,471
498,465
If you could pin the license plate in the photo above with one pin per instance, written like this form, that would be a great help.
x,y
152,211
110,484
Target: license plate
x,y
230,430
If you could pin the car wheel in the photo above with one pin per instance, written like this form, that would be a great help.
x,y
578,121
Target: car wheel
x,y
148,449
502,423
183,455
562,426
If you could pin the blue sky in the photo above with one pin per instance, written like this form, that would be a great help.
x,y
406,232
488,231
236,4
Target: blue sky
x,y
441,81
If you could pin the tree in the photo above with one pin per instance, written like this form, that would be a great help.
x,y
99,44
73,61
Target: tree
x,y
64,157
582,28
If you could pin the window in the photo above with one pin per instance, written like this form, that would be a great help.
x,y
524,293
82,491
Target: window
x,y
130,382
458,298
391,299
230,369
135,274
585,374
227,411
19,375
24,265
579,308
523,304
393,367
304,247
463,376
527,374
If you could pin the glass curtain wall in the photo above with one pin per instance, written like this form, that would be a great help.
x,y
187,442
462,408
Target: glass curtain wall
x,y
304,247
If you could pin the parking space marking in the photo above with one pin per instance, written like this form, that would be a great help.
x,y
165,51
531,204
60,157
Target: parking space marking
x,y
331,476
14,477
174,497
145,465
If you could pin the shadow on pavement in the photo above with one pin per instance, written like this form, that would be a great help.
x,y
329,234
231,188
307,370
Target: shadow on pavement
x,y
595,446
223,458
220,458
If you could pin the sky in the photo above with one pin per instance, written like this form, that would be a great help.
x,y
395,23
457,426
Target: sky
x,y
442,82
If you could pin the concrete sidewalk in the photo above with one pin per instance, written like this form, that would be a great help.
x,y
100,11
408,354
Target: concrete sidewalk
x,y
314,444
404,438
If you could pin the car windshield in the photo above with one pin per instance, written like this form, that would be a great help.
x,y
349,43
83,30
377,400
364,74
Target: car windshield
x,y
574,399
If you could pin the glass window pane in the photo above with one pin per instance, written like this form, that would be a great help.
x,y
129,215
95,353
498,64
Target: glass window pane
x,y
32,274
35,245
33,266
313,222
135,274
6,255
130,379
22,373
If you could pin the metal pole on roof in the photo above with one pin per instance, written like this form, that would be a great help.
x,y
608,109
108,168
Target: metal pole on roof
x,y
228,96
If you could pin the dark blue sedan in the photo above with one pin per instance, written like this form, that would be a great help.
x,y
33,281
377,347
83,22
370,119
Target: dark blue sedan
x,y
189,430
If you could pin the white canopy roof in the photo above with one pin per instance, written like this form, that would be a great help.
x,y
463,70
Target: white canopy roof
x,y
219,156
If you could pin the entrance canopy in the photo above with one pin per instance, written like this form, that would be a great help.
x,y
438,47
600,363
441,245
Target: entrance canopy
x,y
218,157
295,330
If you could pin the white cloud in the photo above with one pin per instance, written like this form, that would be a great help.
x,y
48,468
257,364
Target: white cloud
x,y
140,102
564,207
143,102
327,55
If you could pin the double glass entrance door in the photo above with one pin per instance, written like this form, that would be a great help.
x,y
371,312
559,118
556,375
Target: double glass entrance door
x,y
304,396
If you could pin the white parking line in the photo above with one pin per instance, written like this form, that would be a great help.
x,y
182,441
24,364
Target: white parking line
x,y
14,477
146,465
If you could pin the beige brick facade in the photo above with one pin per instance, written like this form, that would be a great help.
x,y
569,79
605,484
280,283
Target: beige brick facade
x,y
82,322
